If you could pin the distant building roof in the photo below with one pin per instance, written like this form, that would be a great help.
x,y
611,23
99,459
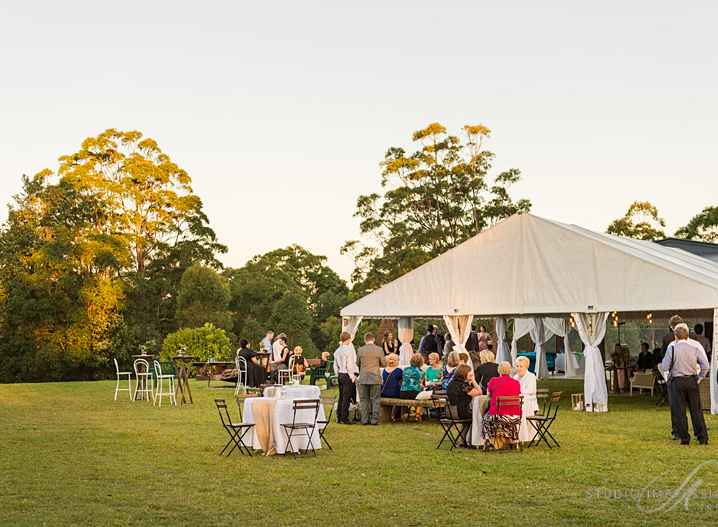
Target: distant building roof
x,y
703,249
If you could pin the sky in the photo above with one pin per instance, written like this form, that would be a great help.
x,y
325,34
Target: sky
x,y
282,111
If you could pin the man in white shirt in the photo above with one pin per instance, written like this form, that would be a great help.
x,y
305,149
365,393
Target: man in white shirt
x,y
266,342
345,367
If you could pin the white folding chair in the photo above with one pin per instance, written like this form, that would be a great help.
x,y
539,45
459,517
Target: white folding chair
x,y
160,385
144,382
241,364
121,374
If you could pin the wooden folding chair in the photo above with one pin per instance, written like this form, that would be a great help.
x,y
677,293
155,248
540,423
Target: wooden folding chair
x,y
323,424
453,427
504,425
302,428
541,423
236,431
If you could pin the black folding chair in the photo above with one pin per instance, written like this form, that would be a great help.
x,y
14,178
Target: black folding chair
x,y
541,423
236,431
322,424
454,428
302,428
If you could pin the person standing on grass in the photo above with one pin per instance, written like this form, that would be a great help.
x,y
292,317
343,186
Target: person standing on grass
x,y
683,359
266,344
370,360
668,339
345,369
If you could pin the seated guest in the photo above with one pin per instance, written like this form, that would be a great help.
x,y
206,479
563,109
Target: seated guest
x,y
299,363
461,389
413,380
487,370
528,390
321,370
501,425
392,378
256,375
452,362
645,358
501,386
434,372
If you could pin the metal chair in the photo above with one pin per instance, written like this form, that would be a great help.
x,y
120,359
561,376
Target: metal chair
x,y
236,431
242,369
121,374
170,378
541,423
144,381
302,428
323,424
284,376
502,424
455,428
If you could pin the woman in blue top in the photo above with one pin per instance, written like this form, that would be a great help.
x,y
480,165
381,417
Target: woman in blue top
x,y
413,378
392,377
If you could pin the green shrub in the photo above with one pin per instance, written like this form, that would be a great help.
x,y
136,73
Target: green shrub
x,y
206,342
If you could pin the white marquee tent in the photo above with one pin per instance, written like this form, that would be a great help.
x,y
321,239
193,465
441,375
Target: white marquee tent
x,y
539,272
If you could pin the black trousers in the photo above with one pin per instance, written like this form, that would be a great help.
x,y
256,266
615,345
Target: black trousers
x,y
671,397
685,393
346,394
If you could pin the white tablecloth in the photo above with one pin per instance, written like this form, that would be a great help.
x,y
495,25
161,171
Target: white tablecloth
x,y
283,413
301,391
477,408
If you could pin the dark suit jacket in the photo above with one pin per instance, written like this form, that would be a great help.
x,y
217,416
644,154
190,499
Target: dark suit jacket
x,y
370,360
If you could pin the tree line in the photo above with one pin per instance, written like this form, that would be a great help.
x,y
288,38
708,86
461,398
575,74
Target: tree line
x,y
111,253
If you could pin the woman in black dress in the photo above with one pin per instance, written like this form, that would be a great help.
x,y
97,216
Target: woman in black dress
x,y
460,393
256,375
390,344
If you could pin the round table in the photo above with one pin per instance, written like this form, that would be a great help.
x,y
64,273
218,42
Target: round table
x,y
479,406
268,415
298,391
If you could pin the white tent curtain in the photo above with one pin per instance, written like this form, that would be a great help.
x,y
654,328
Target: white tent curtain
x,y
713,378
592,329
351,325
540,335
406,334
459,327
522,326
561,327
502,347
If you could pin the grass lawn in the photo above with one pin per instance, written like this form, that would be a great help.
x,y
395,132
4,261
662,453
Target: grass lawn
x,y
70,455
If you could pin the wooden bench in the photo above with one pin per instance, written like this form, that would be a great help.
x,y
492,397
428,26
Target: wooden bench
x,y
643,381
388,403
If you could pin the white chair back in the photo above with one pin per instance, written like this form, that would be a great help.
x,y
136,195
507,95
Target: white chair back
x,y
117,366
158,369
291,367
144,364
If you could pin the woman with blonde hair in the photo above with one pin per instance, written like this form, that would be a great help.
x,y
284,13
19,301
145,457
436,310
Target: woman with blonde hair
x,y
487,369
392,377
528,390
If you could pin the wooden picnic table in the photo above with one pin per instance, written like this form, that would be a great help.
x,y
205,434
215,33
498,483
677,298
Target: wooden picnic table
x,y
210,369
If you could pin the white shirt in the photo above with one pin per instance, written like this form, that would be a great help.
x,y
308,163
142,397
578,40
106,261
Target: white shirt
x,y
266,344
277,349
345,361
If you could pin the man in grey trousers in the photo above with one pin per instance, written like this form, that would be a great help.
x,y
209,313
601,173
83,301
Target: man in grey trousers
x,y
370,360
